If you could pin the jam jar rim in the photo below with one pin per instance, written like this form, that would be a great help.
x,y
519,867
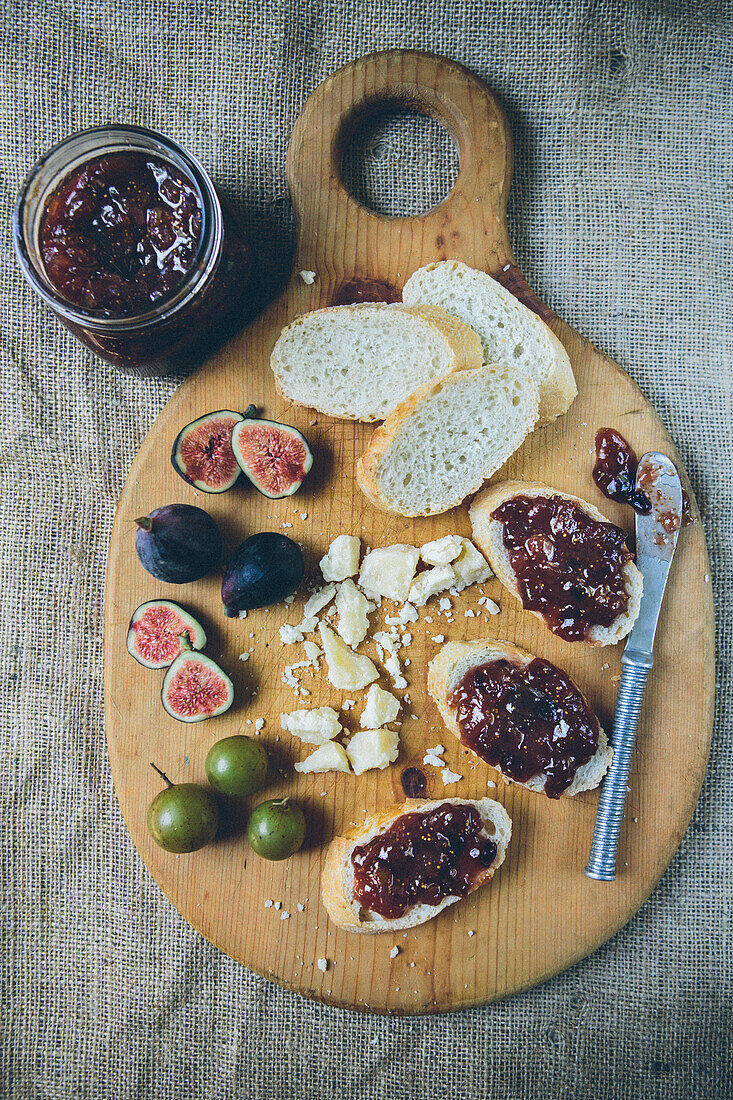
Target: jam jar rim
x,y
207,256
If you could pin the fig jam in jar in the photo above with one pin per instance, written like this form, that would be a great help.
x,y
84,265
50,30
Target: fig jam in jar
x,y
123,234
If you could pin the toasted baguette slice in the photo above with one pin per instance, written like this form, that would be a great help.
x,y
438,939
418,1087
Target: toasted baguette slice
x,y
509,331
358,362
455,659
488,534
443,441
337,880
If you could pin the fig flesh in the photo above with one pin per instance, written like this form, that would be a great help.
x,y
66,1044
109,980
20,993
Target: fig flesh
x,y
178,543
195,688
202,453
275,457
263,570
160,631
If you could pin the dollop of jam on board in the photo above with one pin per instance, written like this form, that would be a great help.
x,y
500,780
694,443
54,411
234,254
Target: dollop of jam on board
x,y
421,859
568,566
526,721
120,233
615,470
365,290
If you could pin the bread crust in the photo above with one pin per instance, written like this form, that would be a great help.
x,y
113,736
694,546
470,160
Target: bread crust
x,y
463,345
451,664
367,467
488,535
347,914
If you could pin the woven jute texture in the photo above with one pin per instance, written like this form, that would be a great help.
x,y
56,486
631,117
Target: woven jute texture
x,y
620,217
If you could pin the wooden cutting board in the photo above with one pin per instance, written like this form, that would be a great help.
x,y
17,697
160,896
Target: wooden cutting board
x,y
540,914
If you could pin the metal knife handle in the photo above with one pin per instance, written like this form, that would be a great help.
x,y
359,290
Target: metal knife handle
x,y
602,861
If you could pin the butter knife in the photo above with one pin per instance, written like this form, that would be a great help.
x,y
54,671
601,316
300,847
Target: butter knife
x,y
656,540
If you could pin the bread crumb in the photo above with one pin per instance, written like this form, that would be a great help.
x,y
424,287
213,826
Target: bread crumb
x,y
450,777
322,965
394,952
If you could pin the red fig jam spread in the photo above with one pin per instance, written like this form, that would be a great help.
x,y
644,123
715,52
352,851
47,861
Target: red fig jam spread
x,y
568,566
526,721
365,290
615,470
421,859
120,233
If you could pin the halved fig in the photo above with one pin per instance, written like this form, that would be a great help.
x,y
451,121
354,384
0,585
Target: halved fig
x,y
275,457
160,631
196,688
202,453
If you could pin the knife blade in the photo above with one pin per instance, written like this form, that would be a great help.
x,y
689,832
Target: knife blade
x,y
656,541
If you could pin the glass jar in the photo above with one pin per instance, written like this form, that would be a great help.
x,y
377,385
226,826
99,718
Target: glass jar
x,y
205,304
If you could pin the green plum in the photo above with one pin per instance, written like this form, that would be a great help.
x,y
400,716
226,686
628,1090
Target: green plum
x,y
276,829
184,817
237,766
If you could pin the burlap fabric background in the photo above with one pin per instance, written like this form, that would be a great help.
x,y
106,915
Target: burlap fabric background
x,y
620,217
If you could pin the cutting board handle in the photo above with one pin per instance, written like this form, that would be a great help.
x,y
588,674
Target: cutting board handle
x,y
471,219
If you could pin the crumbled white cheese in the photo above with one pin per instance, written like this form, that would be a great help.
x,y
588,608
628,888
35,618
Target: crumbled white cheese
x,y
244,656
353,610
433,760
341,559
445,604
284,915
242,615
312,651
268,903
490,783
470,567
439,638
438,750
322,965
315,727
450,777
382,707
469,614
406,614
290,635
369,749
330,757
278,904
394,952
308,277
347,670
259,724
388,571
429,583
300,907
318,601
441,551
471,932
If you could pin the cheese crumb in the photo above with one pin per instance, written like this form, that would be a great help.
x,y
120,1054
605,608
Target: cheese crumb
x,y
439,638
278,904
308,277
315,727
244,656
259,724
322,965
341,560
394,952
300,907
268,903
441,551
471,932
284,915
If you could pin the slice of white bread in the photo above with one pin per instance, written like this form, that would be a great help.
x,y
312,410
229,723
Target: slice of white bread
x,y
488,534
337,880
446,439
455,659
358,362
510,332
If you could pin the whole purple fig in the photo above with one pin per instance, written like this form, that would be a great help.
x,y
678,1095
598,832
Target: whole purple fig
x,y
178,543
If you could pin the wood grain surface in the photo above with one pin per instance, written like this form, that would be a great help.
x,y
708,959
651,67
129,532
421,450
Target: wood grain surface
x,y
540,914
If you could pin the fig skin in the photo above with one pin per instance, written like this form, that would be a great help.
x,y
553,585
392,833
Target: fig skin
x,y
200,426
263,570
275,457
178,543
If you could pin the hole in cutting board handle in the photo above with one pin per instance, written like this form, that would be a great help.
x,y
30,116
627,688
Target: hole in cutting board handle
x,y
396,159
